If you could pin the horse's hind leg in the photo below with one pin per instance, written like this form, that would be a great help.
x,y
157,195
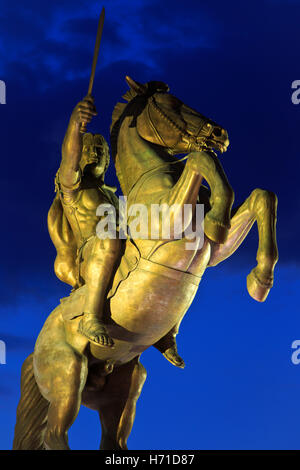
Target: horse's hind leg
x,y
116,403
62,385
261,206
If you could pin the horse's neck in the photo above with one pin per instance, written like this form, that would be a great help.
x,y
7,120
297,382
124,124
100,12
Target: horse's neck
x,y
135,156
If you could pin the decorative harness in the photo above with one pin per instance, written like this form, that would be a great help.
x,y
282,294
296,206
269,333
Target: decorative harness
x,y
191,140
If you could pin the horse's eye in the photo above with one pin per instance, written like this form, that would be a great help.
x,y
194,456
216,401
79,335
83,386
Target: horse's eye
x,y
173,103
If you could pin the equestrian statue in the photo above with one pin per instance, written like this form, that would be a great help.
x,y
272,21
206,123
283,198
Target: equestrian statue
x,y
131,288
130,294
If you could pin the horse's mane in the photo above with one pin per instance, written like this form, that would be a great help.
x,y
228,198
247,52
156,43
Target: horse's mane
x,y
120,107
136,101
121,110
149,87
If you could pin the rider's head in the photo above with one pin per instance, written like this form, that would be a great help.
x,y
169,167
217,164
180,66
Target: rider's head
x,y
95,155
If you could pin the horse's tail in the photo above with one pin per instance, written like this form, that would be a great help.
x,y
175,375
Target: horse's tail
x,y
32,412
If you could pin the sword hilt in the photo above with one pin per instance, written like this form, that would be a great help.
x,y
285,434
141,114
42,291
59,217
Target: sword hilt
x,y
83,124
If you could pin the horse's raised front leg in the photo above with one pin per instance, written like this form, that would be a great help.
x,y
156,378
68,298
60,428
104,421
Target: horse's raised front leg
x,y
206,165
261,206
116,403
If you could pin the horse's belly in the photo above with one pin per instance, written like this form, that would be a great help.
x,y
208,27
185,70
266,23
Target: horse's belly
x,y
147,305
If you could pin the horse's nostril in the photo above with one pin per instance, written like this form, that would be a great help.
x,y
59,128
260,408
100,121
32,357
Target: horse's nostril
x,y
217,132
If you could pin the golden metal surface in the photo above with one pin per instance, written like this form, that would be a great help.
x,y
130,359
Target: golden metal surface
x,y
152,284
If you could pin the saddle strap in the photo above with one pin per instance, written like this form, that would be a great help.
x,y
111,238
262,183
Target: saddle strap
x,y
150,266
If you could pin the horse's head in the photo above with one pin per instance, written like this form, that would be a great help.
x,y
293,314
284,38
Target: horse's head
x,y
167,121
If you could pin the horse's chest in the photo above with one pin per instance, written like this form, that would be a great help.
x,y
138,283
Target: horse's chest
x,y
190,256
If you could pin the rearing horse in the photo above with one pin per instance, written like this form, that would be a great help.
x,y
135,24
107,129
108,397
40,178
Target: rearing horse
x,y
156,280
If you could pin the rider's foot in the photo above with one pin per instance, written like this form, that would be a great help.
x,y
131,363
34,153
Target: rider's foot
x,y
172,356
94,330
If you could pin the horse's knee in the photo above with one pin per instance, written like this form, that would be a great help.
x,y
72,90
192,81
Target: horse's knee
x,y
197,162
225,196
208,166
263,200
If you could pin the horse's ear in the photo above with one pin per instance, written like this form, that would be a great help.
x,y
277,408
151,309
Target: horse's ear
x,y
158,86
136,86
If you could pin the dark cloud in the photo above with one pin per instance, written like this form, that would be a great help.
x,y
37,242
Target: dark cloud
x,y
82,29
236,69
232,61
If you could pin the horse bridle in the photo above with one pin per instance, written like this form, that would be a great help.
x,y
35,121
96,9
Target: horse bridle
x,y
190,139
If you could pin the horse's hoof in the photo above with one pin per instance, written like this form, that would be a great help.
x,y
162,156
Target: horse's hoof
x,y
214,230
257,289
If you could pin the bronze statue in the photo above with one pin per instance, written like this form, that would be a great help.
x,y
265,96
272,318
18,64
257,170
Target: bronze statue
x,y
153,281
82,257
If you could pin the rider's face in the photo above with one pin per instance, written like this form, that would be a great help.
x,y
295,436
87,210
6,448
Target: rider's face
x,y
93,160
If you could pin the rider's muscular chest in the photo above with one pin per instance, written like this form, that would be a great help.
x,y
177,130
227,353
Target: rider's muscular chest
x,y
82,214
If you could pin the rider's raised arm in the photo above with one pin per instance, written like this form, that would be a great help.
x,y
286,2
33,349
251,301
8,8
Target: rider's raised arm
x,y
72,144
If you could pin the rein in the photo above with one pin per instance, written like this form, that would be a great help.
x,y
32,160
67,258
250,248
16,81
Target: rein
x,y
186,137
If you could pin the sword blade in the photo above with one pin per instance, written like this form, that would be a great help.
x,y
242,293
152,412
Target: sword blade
x,y
96,50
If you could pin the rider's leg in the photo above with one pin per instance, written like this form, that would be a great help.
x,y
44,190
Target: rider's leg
x,y
100,266
260,206
66,386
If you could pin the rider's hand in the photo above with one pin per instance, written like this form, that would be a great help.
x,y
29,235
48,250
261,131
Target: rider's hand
x,y
84,111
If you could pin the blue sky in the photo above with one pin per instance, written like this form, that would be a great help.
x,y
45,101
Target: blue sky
x,y
234,62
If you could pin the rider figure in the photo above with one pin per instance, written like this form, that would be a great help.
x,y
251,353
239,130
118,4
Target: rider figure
x,y
80,181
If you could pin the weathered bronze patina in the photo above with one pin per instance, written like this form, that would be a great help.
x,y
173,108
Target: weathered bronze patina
x,y
151,282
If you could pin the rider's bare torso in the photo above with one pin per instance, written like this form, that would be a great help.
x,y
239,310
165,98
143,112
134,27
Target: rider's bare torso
x,y
80,206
